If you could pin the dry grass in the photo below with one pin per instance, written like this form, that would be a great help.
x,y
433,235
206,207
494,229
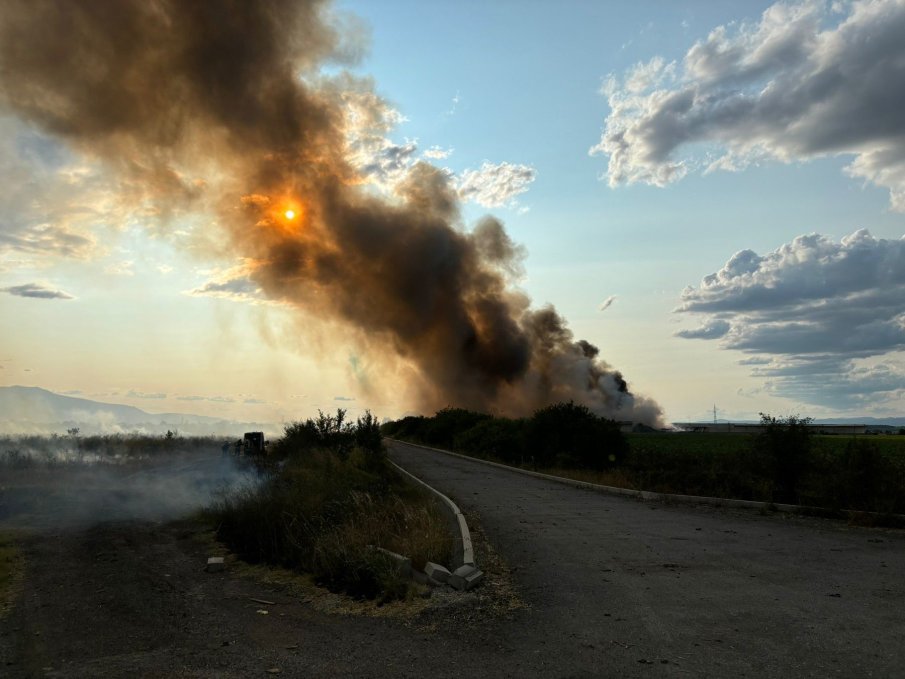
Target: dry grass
x,y
325,515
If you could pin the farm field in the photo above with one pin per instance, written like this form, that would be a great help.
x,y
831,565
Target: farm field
x,y
861,473
696,442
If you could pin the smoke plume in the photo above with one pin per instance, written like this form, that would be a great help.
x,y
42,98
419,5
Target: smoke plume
x,y
51,484
222,107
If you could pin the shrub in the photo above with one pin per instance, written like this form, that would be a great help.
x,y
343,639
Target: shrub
x,y
570,435
331,432
498,438
409,428
442,428
784,447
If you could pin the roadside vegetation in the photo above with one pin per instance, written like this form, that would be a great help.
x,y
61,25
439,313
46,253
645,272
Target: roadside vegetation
x,y
784,463
329,499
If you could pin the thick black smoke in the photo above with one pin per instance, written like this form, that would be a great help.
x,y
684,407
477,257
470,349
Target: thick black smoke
x,y
196,104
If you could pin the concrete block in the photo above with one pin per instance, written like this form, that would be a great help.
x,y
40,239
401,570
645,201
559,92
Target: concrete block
x,y
466,577
215,564
403,563
437,572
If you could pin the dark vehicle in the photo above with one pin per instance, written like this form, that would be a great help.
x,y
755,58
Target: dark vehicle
x,y
254,443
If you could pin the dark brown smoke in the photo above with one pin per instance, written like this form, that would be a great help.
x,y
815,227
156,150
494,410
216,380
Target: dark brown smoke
x,y
200,105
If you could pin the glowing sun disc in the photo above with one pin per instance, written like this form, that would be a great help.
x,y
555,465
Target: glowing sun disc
x,y
289,214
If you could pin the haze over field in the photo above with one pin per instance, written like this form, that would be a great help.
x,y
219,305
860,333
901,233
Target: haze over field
x,y
252,211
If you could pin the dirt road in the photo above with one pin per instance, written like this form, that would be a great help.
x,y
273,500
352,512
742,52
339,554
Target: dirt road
x,y
614,587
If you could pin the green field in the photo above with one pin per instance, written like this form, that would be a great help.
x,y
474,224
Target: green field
x,y
862,473
691,442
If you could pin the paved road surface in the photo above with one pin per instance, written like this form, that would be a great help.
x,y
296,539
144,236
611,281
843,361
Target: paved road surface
x,y
619,587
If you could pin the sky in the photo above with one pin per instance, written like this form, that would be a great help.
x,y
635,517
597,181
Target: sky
x,y
711,194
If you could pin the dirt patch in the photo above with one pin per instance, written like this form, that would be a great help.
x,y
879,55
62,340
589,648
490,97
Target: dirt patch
x,y
134,597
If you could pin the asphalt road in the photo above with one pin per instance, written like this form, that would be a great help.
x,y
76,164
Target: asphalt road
x,y
619,587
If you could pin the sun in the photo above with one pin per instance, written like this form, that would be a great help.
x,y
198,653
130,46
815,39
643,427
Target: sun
x,y
289,214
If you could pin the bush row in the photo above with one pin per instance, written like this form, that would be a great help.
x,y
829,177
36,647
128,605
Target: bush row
x,y
563,435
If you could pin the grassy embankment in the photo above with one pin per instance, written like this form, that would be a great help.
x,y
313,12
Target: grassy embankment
x,y
330,498
783,464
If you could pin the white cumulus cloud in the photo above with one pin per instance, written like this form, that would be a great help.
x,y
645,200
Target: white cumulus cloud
x,y
802,82
386,163
815,316
495,184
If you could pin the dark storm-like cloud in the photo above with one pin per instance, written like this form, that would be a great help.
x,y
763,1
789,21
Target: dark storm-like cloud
x,y
801,83
221,108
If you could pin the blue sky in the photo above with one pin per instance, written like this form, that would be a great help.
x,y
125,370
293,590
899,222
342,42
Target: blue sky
x,y
720,128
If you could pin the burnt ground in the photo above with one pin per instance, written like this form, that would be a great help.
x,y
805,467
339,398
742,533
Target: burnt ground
x,y
133,599
114,586
595,586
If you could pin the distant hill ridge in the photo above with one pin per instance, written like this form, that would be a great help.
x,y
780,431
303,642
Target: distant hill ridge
x,y
36,410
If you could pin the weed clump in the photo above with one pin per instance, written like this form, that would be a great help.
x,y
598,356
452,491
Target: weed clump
x,y
330,499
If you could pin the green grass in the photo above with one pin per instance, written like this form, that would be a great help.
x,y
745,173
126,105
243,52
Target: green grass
x,y
711,443
887,444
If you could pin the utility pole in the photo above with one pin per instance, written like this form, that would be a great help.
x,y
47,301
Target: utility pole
x,y
714,413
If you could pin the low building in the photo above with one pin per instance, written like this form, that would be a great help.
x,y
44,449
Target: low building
x,y
756,428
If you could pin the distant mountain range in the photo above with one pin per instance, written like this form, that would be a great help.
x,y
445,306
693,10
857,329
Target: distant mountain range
x,y
32,410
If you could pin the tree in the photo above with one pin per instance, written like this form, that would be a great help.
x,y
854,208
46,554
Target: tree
x,y
785,444
571,435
